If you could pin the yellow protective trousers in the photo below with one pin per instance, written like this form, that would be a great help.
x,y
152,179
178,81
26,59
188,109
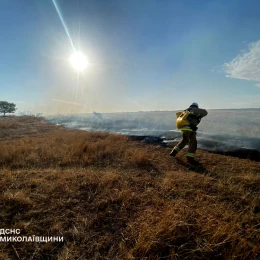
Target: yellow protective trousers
x,y
188,137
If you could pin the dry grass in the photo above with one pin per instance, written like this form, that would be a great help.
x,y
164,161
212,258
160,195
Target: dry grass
x,y
72,148
112,198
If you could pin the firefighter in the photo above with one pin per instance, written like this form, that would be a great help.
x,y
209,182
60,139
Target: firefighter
x,y
187,122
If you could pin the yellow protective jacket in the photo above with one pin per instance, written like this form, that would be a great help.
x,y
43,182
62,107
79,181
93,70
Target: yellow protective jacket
x,y
190,118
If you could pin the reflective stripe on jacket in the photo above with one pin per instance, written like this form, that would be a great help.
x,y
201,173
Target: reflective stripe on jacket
x,y
186,128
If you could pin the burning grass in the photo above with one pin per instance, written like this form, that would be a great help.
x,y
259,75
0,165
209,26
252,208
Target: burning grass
x,y
112,198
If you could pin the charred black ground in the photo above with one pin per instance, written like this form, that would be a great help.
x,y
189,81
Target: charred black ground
x,y
235,152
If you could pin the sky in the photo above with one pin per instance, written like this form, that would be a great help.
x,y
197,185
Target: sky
x,y
143,55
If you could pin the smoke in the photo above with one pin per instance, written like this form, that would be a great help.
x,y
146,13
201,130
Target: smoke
x,y
67,102
218,142
221,130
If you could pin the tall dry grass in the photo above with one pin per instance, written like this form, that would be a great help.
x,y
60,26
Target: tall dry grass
x,y
126,214
75,148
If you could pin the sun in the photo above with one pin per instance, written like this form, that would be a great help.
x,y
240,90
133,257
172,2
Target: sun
x,y
78,61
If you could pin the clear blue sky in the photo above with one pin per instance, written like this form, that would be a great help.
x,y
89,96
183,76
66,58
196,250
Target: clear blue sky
x,y
142,54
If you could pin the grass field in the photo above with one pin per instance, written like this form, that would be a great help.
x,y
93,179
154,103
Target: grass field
x,y
113,198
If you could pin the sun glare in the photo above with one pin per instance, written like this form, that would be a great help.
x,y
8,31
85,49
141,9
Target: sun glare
x,y
78,61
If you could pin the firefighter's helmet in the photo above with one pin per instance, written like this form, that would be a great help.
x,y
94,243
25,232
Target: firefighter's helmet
x,y
194,104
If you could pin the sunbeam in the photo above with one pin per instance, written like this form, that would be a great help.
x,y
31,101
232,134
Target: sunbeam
x,y
64,24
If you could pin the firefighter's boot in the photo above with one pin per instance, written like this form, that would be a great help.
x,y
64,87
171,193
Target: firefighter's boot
x,y
192,161
173,152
